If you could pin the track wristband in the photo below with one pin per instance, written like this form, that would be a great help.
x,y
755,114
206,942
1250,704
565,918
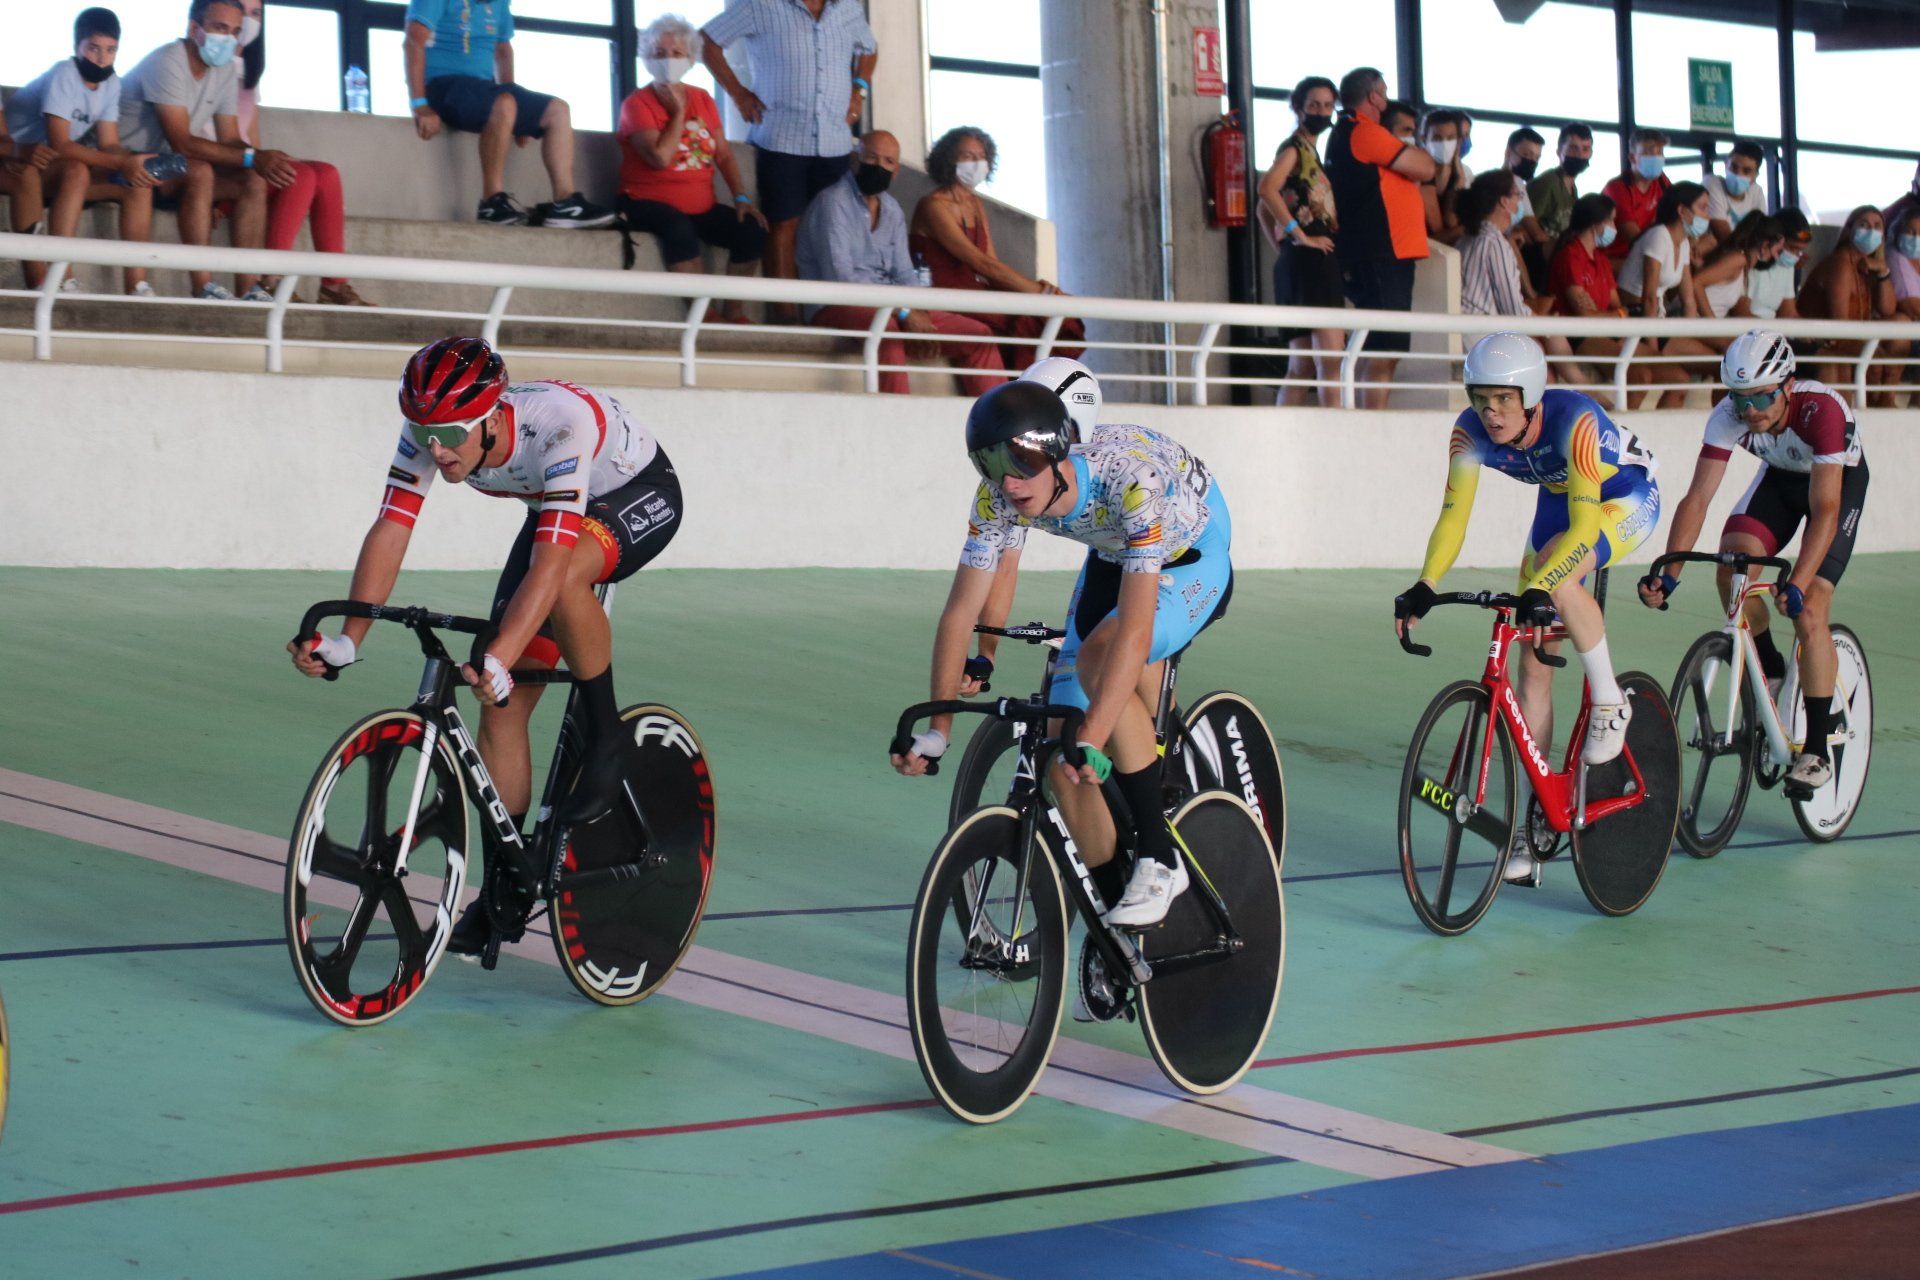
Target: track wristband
x,y
1102,764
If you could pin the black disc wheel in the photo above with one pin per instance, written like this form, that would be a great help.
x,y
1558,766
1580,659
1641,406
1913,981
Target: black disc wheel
x,y
1228,735
1206,1016
985,772
364,937
986,980
1716,725
1453,838
1620,858
630,891
1825,815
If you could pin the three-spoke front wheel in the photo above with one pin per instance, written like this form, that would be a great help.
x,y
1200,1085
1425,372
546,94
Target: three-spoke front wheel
x,y
986,966
1717,727
1454,837
363,937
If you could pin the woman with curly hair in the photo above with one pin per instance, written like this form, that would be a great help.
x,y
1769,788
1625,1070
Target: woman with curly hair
x,y
950,236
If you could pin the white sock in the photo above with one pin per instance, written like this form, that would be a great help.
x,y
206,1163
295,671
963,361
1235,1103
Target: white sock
x,y
1600,673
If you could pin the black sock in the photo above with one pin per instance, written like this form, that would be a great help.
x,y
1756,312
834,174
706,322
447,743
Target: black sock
x,y
1772,661
1819,725
1152,837
1110,880
597,706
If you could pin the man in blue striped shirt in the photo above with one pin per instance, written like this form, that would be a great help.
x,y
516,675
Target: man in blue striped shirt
x,y
811,63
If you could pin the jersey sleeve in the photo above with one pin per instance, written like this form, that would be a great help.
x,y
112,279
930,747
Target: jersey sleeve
x,y
1463,480
1143,512
1723,434
1823,424
1587,469
408,479
991,531
566,468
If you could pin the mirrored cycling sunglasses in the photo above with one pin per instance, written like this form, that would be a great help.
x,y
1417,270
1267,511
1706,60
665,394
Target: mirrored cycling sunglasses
x,y
1022,456
448,435
1745,403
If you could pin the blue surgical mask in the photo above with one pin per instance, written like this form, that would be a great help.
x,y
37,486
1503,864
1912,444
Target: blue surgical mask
x,y
1606,236
1696,227
1866,239
217,50
1909,246
1788,259
1466,146
1651,167
1737,186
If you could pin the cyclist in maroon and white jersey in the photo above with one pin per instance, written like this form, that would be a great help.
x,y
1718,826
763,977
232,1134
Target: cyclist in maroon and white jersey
x,y
602,500
1813,469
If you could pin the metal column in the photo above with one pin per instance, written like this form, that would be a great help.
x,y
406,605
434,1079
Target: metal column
x,y
1623,58
1789,122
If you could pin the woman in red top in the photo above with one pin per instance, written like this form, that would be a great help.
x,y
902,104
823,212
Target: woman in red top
x,y
949,236
670,144
1581,279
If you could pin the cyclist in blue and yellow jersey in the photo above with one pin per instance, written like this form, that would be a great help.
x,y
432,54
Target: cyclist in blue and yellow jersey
x,y
1157,573
1598,502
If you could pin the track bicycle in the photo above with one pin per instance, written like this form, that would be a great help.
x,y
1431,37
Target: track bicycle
x,y
622,895
1458,790
1722,715
987,947
1221,741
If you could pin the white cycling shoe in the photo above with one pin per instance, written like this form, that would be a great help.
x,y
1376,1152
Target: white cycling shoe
x,y
1807,774
1606,731
1149,894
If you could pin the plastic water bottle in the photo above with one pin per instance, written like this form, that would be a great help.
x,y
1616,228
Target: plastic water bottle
x,y
359,94
922,273
166,167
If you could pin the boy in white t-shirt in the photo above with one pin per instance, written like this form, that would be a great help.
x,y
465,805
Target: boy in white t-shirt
x,y
1737,193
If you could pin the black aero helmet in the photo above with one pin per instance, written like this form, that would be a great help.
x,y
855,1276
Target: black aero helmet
x,y
1018,428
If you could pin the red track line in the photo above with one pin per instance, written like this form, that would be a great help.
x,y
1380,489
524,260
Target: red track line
x,y
453,1153
1543,1032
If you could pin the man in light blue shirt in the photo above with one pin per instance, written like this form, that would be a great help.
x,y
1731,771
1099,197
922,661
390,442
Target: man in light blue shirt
x,y
855,233
811,62
459,58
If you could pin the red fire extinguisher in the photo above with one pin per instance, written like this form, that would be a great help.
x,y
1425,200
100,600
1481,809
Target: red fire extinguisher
x,y
1223,152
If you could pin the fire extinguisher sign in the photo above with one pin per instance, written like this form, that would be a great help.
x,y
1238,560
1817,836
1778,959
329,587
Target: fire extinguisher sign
x,y
1208,80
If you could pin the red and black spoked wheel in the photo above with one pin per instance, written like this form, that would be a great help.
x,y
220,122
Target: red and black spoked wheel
x,y
364,937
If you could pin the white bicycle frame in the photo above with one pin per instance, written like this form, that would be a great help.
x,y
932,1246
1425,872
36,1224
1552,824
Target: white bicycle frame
x,y
1780,749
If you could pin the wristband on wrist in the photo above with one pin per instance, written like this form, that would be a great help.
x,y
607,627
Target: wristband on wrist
x,y
246,158
1288,229
901,313
742,199
1098,759
417,103
862,86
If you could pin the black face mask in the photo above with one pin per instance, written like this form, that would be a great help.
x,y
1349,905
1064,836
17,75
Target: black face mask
x,y
871,178
1766,264
1574,166
1525,169
1316,124
91,73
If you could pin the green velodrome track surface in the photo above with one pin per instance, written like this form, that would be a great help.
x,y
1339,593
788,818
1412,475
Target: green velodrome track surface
x,y
136,1065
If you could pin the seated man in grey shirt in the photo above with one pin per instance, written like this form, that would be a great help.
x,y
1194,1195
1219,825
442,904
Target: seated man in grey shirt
x,y
184,98
855,233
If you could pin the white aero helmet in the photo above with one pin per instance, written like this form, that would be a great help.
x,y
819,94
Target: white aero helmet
x,y
1509,360
1077,388
1757,358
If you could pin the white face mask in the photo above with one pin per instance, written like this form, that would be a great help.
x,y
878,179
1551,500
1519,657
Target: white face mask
x,y
1442,151
249,30
669,70
971,172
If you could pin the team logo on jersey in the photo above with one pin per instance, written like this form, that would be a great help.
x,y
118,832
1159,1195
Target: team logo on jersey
x,y
646,515
408,449
562,468
404,477
553,496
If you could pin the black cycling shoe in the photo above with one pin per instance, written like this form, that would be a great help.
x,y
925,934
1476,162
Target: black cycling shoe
x,y
470,931
597,790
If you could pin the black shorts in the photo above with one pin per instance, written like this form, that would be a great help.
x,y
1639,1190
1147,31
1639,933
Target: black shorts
x,y
1776,502
1381,284
466,102
722,226
631,525
788,183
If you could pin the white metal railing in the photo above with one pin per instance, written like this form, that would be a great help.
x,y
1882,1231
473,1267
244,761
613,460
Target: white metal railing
x,y
1195,361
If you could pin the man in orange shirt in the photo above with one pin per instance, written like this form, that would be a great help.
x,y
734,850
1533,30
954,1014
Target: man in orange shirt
x,y
1376,181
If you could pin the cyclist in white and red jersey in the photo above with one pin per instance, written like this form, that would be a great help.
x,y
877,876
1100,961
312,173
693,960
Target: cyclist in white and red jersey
x,y
1812,468
602,500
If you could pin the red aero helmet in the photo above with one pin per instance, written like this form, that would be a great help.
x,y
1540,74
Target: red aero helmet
x,y
455,380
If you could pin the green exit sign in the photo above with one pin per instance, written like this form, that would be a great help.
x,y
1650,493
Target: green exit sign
x,y
1710,91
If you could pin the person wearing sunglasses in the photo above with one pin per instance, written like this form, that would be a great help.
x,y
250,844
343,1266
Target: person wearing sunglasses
x,y
602,500
1158,572
1812,468
1598,503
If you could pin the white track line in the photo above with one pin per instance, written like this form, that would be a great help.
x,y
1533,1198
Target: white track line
x,y
1089,1075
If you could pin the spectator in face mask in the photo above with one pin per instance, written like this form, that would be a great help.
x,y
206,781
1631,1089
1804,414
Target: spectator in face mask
x,y
1720,281
1440,136
1660,263
671,143
72,114
1636,194
1489,267
1905,260
950,237
1773,280
1529,237
855,233
1737,193
1854,282
1552,193
1581,278
1297,211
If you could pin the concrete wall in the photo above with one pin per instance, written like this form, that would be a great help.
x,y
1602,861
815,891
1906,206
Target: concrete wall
x,y
195,470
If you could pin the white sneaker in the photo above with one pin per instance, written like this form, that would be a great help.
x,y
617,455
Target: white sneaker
x,y
70,285
1149,894
1606,731
256,294
1522,866
141,290
1808,773
213,291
